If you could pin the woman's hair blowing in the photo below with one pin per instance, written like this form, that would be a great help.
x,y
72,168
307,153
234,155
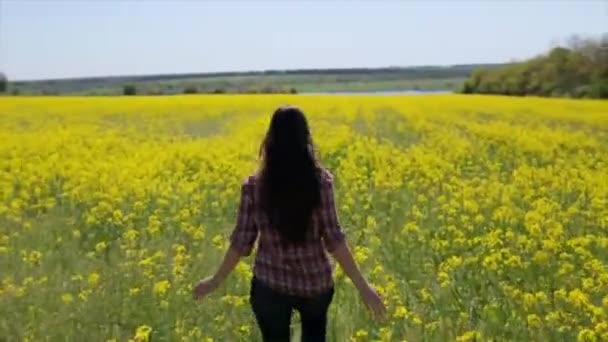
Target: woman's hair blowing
x,y
290,184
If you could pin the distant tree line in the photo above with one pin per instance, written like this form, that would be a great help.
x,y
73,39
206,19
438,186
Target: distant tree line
x,y
131,89
3,83
578,69
413,72
281,81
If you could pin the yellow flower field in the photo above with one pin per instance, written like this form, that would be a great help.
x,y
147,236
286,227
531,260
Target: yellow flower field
x,y
478,218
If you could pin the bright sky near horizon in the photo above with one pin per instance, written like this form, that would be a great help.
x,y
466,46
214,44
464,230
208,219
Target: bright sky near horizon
x,y
58,39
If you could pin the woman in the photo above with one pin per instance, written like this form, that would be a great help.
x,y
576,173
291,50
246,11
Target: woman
x,y
289,203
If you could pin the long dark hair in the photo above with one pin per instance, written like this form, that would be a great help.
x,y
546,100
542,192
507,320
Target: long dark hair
x,y
290,184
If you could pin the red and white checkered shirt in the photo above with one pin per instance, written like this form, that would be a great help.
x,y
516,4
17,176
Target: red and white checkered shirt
x,y
301,269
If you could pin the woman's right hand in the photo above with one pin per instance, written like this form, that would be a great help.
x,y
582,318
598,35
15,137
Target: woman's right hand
x,y
373,301
204,287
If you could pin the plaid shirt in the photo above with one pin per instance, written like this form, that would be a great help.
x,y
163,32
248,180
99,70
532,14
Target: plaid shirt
x,y
296,269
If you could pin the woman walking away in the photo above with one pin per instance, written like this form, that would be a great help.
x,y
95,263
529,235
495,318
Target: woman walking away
x,y
289,205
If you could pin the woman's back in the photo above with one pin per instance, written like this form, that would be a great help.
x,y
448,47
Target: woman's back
x,y
298,268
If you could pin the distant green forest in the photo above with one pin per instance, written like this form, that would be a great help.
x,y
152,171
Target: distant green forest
x,y
578,69
425,78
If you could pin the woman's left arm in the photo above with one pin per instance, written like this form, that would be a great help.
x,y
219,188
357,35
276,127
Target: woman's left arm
x,y
207,285
241,243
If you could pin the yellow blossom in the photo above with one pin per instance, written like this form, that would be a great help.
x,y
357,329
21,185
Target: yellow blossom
x,y
67,298
161,287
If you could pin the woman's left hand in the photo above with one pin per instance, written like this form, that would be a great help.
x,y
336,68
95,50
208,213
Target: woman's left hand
x,y
204,287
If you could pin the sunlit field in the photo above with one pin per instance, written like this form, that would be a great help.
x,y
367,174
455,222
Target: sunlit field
x,y
477,218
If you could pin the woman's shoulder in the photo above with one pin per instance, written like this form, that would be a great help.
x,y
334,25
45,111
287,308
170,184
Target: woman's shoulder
x,y
251,180
326,176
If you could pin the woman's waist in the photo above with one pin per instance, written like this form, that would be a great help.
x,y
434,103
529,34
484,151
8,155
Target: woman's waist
x,y
299,289
311,260
295,283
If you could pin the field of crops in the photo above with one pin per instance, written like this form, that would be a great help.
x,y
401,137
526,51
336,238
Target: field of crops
x,y
477,218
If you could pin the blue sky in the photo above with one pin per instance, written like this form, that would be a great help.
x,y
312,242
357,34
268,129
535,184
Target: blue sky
x,y
54,39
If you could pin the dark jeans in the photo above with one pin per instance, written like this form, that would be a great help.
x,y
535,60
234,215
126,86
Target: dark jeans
x,y
273,310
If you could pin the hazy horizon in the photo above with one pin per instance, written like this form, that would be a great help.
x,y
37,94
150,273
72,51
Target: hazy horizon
x,y
64,39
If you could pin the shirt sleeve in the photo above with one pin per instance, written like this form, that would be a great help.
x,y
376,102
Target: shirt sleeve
x,y
331,231
245,232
